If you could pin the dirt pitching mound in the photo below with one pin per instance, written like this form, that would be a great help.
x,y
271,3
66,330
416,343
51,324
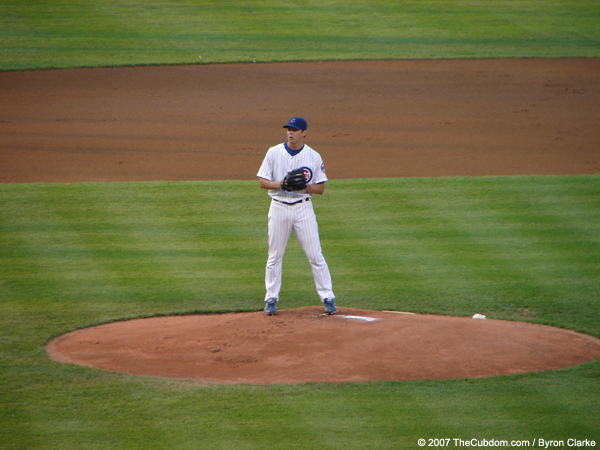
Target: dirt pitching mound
x,y
303,345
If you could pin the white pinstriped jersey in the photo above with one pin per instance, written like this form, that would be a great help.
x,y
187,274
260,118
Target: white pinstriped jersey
x,y
278,162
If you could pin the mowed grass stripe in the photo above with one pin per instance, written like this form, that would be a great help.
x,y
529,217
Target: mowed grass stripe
x,y
449,245
62,34
502,244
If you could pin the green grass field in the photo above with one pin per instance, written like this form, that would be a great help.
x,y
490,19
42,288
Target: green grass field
x,y
73,255
67,33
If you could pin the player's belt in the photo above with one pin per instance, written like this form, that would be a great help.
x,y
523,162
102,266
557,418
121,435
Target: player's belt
x,y
307,199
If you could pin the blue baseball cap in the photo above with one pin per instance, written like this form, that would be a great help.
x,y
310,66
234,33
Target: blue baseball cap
x,y
297,123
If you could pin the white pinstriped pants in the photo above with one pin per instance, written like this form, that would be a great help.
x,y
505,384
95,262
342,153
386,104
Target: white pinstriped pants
x,y
299,218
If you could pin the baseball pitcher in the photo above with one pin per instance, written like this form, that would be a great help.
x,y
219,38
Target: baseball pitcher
x,y
293,172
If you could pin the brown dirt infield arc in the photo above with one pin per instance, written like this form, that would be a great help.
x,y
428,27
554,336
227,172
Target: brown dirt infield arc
x,y
367,119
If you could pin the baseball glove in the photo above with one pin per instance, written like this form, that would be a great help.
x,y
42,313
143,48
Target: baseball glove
x,y
294,180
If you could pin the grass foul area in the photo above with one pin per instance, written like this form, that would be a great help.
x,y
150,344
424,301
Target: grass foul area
x,y
74,255
64,33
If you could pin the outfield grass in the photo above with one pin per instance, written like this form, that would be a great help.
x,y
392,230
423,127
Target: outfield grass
x,y
73,255
64,33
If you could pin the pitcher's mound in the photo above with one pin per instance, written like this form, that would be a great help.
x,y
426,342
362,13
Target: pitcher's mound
x,y
303,345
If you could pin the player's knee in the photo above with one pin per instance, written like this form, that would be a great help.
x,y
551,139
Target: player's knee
x,y
317,261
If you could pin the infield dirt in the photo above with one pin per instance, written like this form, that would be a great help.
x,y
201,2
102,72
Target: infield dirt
x,y
367,119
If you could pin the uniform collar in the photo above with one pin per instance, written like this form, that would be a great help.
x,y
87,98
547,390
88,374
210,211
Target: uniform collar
x,y
290,151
